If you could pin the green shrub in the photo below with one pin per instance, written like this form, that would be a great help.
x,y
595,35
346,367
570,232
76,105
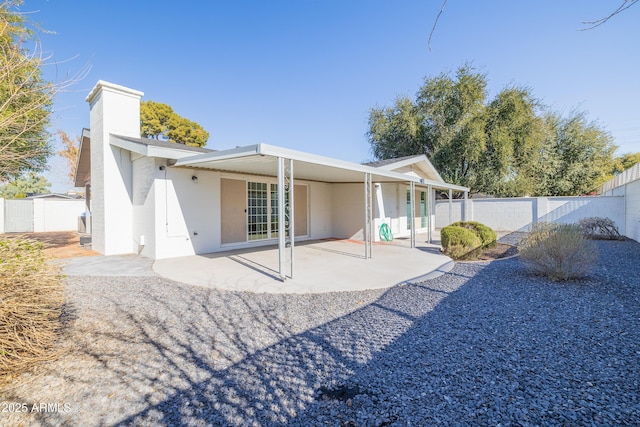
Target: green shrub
x,y
460,243
599,228
485,233
31,302
558,251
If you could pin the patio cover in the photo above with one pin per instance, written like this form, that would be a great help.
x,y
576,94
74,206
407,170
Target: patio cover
x,y
269,160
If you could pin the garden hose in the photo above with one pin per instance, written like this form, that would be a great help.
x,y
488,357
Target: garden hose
x,y
385,233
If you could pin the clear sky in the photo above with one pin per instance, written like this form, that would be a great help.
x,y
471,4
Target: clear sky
x,y
303,74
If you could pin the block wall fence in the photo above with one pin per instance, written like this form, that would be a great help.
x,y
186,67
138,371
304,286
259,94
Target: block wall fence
x,y
520,213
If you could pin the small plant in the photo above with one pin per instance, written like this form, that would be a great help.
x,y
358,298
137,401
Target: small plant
x,y
460,243
31,302
485,233
558,251
599,228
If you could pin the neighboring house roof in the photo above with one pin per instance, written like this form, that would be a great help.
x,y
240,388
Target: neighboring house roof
x,y
418,165
380,163
51,196
142,146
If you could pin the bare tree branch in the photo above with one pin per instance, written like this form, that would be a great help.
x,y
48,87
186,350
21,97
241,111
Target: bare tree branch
x,y
593,24
444,3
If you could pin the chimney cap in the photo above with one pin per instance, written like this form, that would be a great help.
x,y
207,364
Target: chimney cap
x,y
103,85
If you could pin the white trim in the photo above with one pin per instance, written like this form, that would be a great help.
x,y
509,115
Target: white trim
x,y
273,151
411,161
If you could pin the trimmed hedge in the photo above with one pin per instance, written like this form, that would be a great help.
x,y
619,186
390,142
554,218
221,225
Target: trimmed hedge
x,y
460,243
485,233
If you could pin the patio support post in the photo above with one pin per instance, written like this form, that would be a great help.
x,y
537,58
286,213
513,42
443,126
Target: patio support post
x,y
286,226
281,221
412,209
431,200
465,216
450,205
368,216
291,215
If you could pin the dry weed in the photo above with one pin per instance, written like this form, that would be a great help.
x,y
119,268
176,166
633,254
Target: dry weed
x,y
31,303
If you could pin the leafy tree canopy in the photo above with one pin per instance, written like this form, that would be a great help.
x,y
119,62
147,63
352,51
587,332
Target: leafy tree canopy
x,y
21,186
25,97
159,121
500,146
625,161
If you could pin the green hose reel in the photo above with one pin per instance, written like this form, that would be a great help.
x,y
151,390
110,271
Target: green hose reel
x,y
385,233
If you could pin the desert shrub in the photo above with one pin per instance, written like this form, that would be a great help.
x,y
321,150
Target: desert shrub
x,y
558,251
31,302
599,228
460,243
485,233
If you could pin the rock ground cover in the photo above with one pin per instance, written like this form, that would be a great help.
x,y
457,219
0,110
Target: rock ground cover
x,y
485,344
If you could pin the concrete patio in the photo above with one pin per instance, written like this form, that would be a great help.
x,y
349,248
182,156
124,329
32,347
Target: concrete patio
x,y
320,266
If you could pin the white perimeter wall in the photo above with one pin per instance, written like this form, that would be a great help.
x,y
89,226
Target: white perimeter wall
x,y
52,215
56,215
1,215
518,214
632,210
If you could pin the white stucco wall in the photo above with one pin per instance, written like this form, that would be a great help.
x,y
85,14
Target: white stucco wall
x,y
632,210
320,210
143,205
188,213
347,215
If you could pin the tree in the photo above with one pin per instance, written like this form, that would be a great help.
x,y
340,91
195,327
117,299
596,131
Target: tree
x,y
69,152
446,123
578,156
506,147
25,98
21,186
159,121
624,162
514,141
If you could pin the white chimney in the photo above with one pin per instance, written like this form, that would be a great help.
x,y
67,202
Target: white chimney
x,y
114,110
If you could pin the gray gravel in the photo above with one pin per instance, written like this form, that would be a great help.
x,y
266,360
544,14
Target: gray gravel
x,y
486,344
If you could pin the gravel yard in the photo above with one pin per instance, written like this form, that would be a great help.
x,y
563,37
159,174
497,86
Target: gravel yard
x,y
485,344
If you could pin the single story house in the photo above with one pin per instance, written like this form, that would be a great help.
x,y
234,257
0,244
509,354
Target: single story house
x,y
162,199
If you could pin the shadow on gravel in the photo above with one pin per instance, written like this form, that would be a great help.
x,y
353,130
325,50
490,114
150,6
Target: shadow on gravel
x,y
484,344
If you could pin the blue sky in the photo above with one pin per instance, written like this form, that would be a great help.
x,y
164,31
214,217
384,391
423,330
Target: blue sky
x,y
303,74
